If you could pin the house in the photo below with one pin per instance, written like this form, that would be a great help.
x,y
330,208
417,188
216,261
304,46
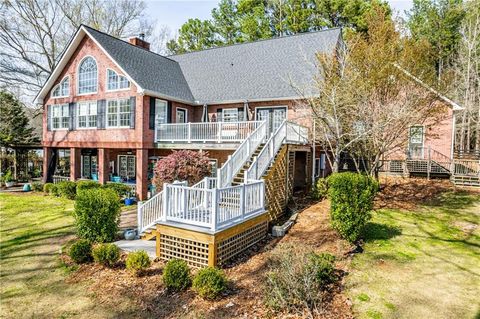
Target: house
x,y
113,108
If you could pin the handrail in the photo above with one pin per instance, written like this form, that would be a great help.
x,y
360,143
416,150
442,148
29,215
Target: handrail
x,y
287,132
213,132
463,167
235,162
149,212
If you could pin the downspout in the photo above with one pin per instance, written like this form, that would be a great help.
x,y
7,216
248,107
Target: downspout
x,y
314,156
453,134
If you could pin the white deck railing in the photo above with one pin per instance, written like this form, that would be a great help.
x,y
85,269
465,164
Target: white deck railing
x,y
57,179
208,132
235,162
287,132
149,212
213,208
463,167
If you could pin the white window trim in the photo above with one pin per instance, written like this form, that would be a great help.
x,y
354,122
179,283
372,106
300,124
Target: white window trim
x,y
51,118
183,109
423,133
118,163
78,76
59,83
118,113
230,109
118,74
272,107
77,115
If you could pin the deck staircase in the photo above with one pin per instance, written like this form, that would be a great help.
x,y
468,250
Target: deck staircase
x,y
239,177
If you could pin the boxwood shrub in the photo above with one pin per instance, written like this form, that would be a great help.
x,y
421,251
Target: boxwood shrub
x,y
67,189
37,186
137,262
51,189
351,197
121,189
106,254
81,251
83,185
176,275
209,282
320,189
97,214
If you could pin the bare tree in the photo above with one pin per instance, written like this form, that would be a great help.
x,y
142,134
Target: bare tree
x,y
467,82
159,38
33,34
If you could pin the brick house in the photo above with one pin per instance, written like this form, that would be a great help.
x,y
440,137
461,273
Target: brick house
x,y
112,108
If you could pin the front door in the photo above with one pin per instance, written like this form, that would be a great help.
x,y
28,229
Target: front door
x,y
126,167
89,167
273,115
415,142
181,116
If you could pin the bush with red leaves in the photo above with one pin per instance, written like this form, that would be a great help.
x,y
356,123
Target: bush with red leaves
x,y
184,165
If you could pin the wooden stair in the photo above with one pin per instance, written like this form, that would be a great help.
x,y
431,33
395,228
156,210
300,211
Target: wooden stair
x,y
149,234
463,180
239,178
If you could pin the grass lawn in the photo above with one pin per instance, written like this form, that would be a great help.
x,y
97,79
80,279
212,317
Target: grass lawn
x,y
420,263
32,230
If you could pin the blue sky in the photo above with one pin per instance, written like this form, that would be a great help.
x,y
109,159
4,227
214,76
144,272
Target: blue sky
x,y
174,13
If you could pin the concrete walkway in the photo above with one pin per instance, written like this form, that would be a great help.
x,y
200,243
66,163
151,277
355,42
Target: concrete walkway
x,y
136,245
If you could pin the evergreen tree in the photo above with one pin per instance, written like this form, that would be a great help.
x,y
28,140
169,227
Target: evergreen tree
x,y
225,20
14,124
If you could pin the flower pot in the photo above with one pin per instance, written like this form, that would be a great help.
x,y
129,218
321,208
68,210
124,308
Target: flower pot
x,y
130,234
9,184
129,201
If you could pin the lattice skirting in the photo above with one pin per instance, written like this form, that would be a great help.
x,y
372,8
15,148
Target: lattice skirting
x,y
232,246
195,253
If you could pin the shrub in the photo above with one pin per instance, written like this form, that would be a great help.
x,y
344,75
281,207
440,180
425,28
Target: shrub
x,y
106,254
322,266
97,214
209,283
121,189
81,251
67,189
37,186
320,189
8,177
176,275
184,165
50,189
137,262
351,198
295,279
84,185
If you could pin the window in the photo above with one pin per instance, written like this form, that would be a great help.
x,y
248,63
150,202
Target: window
x,y
87,76
116,82
160,112
118,113
416,135
230,115
62,89
60,116
87,114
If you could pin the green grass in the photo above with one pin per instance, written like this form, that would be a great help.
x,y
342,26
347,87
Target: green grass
x,y
423,263
33,228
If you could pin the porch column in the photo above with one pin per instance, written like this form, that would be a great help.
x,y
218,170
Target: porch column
x,y
49,163
142,173
103,165
75,162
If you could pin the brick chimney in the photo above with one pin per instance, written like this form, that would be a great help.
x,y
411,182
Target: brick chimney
x,y
140,42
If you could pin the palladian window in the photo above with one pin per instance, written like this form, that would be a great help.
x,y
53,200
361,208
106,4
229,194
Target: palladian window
x,y
62,89
116,81
87,76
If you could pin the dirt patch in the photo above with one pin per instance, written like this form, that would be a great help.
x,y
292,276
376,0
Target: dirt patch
x,y
146,297
408,193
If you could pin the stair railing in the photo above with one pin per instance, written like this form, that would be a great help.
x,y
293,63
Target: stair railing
x,y
149,212
235,162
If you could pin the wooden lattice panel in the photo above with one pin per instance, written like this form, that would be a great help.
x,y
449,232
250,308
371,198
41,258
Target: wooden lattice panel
x,y
276,185
195,253
232,246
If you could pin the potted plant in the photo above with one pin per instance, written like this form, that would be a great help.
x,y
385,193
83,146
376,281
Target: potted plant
x,y
8,179
129,199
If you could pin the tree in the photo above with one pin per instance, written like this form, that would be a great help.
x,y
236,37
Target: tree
x,y
195,35
225,20
438,22
467,81
371,96
181,165
33,34
14,124
253,20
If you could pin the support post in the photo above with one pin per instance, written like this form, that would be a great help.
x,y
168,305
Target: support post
x,y
75,167
141,173
165,202
242,201
103,165
214,209
139,218
212,254
429,163
189,132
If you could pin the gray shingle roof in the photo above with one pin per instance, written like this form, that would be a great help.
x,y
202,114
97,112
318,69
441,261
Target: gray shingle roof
x,y
267,69
151,71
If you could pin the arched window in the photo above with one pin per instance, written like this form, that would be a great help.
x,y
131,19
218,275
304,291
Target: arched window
x,y
116,81
87,76
62,89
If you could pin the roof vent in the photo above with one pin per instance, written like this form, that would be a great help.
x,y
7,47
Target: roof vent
x,y
140,41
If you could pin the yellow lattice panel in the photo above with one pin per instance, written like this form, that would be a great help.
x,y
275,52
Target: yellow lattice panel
x,y
195,253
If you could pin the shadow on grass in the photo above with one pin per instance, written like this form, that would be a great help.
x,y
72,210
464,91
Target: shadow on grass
x,y
454,200
375,231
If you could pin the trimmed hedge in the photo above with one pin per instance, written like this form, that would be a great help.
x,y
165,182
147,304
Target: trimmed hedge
x,y
351,196
50,189
97,214
121,189
209,283
84,185
106,254
176,275
137,262
37,186
67,189
81,251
